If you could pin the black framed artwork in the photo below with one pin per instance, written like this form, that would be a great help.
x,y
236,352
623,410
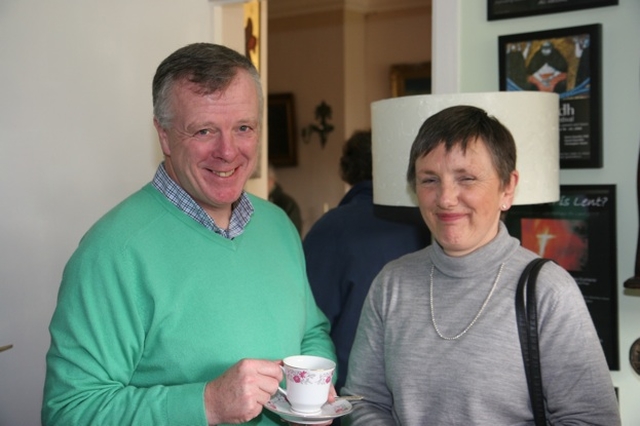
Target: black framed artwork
x,y
282,133
579,233
504,9
566,61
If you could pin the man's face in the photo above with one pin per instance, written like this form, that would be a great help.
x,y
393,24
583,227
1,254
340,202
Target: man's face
x,y
211,146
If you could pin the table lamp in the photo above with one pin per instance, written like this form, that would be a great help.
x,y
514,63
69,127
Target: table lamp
x,y
532,118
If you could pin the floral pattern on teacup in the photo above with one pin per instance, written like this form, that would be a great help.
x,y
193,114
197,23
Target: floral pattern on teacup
x,y
309,378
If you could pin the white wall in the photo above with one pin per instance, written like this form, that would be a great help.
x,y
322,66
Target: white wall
x,y
76,136
477,70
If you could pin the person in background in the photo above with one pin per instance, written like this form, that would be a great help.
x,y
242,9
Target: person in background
x,y
179,304
283,200
346,248
437,342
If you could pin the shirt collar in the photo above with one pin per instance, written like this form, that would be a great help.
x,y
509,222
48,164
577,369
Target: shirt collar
x,y
241,210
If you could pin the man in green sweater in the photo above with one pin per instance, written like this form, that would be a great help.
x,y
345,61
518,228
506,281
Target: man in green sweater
x,y
179,304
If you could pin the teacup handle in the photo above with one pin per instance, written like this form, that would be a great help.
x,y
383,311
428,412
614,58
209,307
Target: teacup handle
x,y
282,391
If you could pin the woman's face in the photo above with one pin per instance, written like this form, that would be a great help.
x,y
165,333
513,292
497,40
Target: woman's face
x,y
461,196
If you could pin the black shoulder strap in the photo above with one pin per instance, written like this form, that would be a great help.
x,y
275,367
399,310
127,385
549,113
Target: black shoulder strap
x,y
527,320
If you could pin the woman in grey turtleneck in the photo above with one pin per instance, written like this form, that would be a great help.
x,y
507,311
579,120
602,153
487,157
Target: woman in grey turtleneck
x,y
437,342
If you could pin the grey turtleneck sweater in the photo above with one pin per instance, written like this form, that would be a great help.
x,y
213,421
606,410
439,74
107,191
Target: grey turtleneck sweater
x,y
410,376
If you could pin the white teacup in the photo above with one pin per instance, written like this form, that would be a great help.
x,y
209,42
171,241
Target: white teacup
x,y
308,380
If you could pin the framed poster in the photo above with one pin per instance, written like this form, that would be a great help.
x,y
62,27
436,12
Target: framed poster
x,y
579,233
568,62
282,130
503,9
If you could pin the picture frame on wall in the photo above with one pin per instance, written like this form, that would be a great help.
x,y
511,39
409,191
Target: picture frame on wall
x,y
567,61
251,11
578,232
505,9
281,121
410,79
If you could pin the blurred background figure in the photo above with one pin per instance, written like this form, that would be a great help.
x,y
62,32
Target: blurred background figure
x,y
283,200
347,247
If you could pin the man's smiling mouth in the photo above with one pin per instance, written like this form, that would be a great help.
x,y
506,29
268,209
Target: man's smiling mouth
x,y
223,174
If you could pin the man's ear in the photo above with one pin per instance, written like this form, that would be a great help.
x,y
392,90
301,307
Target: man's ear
x,y
162,137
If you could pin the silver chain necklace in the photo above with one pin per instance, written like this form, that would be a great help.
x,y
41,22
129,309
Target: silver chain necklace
x,y
473,321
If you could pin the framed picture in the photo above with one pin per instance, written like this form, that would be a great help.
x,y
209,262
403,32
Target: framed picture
x,y
579,233
410,79
566,61
503,9
282,133
251,11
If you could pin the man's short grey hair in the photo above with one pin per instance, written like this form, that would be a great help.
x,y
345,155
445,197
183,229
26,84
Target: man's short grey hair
x,y
211,67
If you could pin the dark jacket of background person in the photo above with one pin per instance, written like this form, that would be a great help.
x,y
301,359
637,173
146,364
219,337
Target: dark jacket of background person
x,y
283,200
347,247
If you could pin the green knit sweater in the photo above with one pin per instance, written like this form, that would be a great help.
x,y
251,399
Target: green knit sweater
x,y
153,305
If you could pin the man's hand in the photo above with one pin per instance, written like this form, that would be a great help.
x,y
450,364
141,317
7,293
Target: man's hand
x,y
239,394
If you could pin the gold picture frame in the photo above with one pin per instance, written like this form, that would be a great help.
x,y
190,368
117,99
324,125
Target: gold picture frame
x,y
411,79
251,11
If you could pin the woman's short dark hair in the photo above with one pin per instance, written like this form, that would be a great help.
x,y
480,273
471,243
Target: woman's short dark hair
x,y
459,125
355,163
210,66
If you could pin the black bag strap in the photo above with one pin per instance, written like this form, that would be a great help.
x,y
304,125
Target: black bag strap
x,y
527,320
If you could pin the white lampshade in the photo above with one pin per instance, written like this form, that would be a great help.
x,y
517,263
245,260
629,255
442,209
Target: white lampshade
x,y
531,117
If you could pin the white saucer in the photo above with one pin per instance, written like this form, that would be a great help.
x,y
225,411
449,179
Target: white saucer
x,y
279,405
